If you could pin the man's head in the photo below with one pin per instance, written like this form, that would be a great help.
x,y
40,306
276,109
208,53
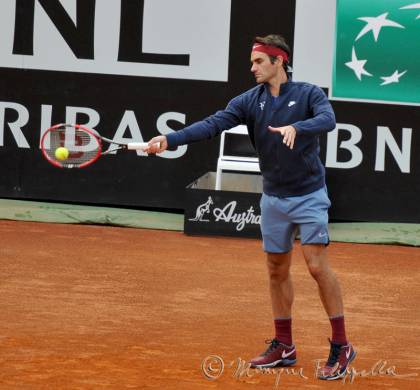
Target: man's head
x,y
269,57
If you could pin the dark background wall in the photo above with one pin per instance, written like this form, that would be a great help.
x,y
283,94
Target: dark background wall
x,y
127,179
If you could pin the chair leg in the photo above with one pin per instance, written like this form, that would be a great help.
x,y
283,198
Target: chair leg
x,y
218,179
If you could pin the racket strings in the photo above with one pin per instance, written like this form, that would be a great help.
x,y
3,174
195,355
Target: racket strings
x,y
82,146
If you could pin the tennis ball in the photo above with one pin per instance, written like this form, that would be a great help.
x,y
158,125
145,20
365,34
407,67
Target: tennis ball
x,y
61,153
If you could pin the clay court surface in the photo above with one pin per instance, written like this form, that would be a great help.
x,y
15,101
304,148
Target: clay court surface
x,y
94,307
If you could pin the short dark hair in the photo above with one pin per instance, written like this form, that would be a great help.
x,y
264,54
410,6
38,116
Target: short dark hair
x,y
276,41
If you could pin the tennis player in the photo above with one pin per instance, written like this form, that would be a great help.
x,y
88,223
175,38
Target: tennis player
x,y
284,120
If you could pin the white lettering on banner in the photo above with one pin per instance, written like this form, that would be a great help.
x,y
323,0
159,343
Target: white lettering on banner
x,y
148,38
350,145
16,126
402,157
385,139
227,214
73,112
46,122
164,129
128,121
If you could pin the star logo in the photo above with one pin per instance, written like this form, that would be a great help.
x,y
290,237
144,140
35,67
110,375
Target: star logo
x,y
413,6
377,52
357,65
394,78
375,25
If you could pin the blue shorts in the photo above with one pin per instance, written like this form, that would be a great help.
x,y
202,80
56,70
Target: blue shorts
x,y
281,218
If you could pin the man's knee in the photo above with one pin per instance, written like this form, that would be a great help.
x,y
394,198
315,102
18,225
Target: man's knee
x,y
278,266
316,260
316,269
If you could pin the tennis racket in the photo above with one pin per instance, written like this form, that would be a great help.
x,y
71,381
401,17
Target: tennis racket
x,y
76,146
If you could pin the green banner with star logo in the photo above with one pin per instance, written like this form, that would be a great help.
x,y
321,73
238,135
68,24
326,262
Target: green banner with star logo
x,y
377,51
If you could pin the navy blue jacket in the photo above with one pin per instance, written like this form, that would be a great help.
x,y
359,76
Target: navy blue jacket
x,y
285,172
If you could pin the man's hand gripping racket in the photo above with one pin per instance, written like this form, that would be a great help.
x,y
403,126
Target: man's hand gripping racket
x,y
76,146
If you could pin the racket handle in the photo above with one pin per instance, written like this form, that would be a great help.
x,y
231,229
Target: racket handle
x,y
138,145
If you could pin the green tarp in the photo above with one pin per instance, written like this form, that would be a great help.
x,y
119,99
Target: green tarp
x,y
20,210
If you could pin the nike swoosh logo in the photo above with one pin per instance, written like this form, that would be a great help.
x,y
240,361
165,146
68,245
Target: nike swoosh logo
x,y
284,355
323,235
347,353
292,103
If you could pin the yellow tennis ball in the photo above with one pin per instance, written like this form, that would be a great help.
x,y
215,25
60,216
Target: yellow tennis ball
x,y
61,153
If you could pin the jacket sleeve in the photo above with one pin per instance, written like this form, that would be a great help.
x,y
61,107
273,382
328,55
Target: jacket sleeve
x,y
323,118
231,116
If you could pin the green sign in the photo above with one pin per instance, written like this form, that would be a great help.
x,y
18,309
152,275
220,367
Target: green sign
x,y
377,51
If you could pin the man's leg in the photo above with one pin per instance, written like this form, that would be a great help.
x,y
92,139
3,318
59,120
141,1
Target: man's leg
x,y
281,351
280,282
328,286
341,352
281,293
278,236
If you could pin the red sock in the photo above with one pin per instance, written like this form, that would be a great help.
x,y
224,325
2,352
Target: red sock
x,y
283,330
338,330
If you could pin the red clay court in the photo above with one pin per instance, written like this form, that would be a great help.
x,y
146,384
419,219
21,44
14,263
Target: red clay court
x,y
94,307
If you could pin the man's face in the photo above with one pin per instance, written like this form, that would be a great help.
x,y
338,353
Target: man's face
x,y
262,67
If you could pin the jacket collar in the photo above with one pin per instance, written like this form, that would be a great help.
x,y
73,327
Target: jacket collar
x,y
283,87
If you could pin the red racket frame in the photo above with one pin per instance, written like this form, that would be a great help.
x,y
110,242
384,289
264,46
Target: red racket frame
x,y
59,165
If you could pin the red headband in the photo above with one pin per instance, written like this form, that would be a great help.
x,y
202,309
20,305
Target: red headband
x,y
271,51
